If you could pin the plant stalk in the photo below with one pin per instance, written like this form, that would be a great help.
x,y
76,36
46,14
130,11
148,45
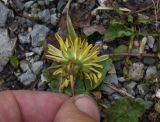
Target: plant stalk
x,y
72,85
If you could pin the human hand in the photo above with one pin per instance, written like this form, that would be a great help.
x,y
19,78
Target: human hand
x,y
29,106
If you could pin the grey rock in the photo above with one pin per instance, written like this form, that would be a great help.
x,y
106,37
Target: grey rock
x,y
151,41
142,89
112,79
38,34
24,65
106,90
54,19
4,11
121,79
24,38
156,47
36,67
136,71
27,78
28,4
149,60
116,96
149,104
130,87
81,1
157,94
151,71
29,54
6,47
61,4
19,4
45,16
38,50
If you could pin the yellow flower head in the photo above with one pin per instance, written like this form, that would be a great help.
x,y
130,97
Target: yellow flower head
x,y
76,55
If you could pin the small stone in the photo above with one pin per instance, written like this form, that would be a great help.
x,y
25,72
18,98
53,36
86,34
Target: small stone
x,y
151,72
4,11
106,90
121,79
7,46
27,78
38,50
116,96
38,34
158,93
54,19
151,41
130,87
28,4
45,16
19,4
149,60
36,67
81,1
136,71
149,104
29,54
112,79
24,65
142,89
24,38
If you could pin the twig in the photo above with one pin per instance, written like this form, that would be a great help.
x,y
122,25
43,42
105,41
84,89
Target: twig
x,y
120,91
134,54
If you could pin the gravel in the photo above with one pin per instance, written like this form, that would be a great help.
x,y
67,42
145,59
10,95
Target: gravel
x,y
151,72
136,71
39,34
4,11
27,78
7,46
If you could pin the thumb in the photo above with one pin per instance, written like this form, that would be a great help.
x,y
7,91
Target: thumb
x,y
78,109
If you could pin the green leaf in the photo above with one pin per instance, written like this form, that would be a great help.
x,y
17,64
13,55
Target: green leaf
x,y
117,30
126,110
119,49
70,28
14,62
52,83
130,18
142,19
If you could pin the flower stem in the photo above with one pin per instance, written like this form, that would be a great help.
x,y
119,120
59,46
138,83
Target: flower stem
x,y
72,85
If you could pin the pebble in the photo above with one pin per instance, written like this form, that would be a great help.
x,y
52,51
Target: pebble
x,y
151,41
38,34
136,71
45,16
142,89
24,65
158,93
6,47
106,90
36,67
54,19
112,79
28,4
149,60
130,87
151,71
24,38
121,79
27,78
4,11
38,50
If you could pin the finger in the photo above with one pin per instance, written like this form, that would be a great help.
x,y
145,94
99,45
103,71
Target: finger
x,y
28,106
78,109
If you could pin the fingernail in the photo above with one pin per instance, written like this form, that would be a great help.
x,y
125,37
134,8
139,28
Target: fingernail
x,y
87,105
